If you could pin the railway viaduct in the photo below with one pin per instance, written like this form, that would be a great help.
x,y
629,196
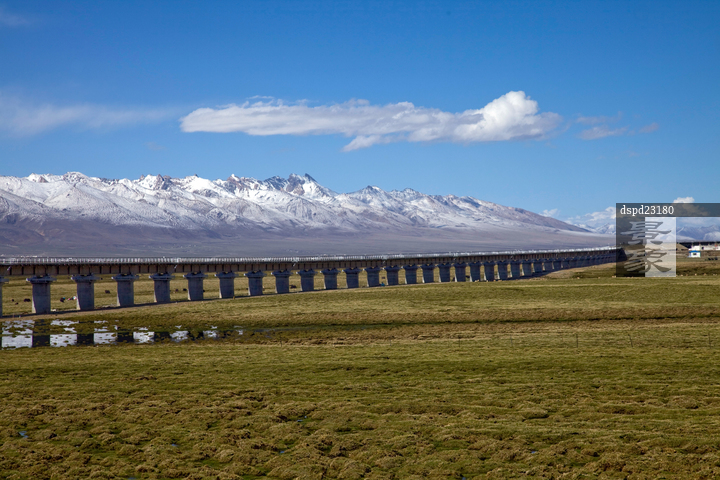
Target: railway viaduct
x,y
482,266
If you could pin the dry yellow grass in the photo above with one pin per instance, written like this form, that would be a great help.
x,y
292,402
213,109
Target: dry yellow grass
x,y
549,378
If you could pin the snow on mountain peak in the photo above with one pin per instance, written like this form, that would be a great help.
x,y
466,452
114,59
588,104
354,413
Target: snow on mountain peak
x,y
296,202
36,178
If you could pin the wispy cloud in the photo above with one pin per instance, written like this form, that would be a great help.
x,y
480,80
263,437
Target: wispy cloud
x,y
154,146
649,128
684,200
601,128
513,116
8,19
601,131
599,119
22,118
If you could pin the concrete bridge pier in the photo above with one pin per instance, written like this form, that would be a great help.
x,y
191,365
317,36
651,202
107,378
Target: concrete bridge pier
x,y
282,281
161,286
85,291
195,285
373,276
444,272
515,269
330,278
460,271
410,274
2,280
557,264
255,283
428,273
489,268
41,293
475,271
352,277
537,267
527,268
125,289
574,262
227,284
548,265
565,263
393,275
307,280
502,267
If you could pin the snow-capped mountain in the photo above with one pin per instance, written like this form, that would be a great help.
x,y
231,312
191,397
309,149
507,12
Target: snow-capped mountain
x,y
60,205
197,203
605,229
688,231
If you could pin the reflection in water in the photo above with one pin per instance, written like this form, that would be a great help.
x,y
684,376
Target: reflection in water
x,y
143,337
63,333
17,341
62,340
179,336
125,336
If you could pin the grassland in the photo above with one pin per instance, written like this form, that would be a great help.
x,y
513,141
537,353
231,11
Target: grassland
x,y
575,375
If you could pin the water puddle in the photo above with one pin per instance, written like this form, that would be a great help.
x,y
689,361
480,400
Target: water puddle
x,y
65,333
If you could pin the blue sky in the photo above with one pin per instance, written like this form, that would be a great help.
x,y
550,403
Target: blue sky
x,y
549,106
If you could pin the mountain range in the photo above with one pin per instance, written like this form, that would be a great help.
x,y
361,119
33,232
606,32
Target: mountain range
x,y
74,214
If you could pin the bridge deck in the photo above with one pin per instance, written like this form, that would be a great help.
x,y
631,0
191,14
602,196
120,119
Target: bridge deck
x,y
135,265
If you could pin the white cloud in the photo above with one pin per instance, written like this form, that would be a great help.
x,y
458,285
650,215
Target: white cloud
x,y
8,19
684,200
599,222
550,213
601,131
513,116
21,118
594,217
649,128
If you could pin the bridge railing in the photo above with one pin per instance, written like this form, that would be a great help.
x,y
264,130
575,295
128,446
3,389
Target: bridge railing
x,y
10,261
